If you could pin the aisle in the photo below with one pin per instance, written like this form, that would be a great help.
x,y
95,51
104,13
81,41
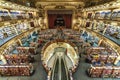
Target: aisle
x,y
80,73
40,73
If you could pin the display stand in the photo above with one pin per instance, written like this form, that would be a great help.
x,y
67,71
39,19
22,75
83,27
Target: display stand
x,y
18,58
104,71
16,70
101,55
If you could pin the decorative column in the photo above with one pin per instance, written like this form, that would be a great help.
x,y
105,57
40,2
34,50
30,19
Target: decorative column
x,y
100,42
20,42
73,19
15,30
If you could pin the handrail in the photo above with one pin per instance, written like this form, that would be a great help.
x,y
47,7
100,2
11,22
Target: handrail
x,y
52,76
16,37
51,57
51,71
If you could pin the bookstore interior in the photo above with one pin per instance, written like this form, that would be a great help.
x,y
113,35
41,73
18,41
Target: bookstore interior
x,y
59,39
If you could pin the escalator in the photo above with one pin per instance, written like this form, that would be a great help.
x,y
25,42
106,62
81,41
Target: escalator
x,y
63,70
55,72
60,71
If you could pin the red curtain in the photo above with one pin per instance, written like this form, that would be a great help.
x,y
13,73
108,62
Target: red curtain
x,y
67,18
51,19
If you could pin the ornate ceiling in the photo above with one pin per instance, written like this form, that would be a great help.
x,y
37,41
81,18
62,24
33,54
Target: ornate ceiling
x,y
76,3
50,3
